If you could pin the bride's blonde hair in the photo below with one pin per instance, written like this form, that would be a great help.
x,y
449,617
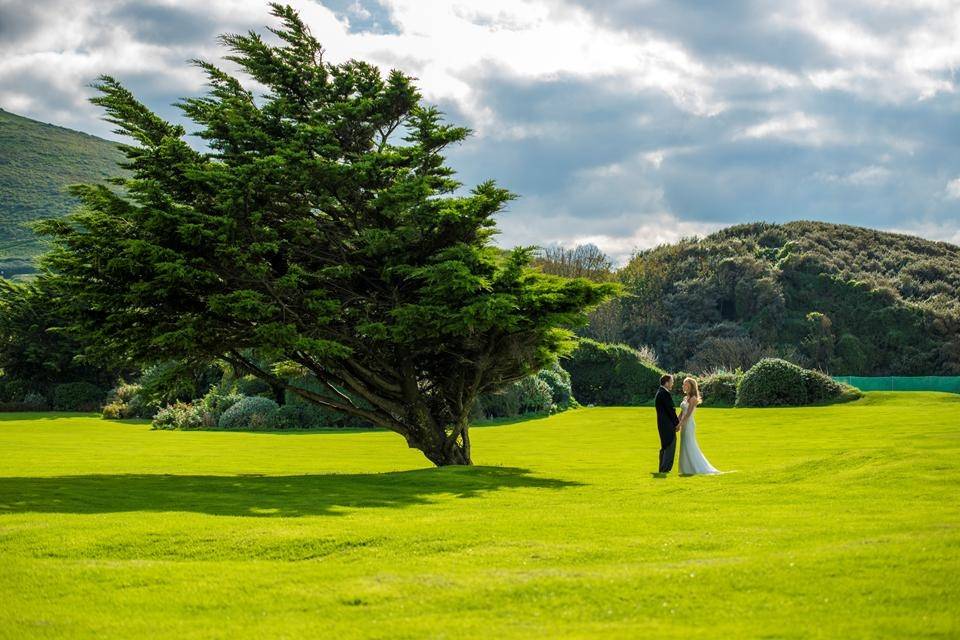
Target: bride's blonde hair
x,y
694,389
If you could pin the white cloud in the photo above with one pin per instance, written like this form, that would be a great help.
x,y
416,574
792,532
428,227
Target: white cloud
x,y
889,58
931,230
865,176
903,61
359,10
796,127
953,189
652,231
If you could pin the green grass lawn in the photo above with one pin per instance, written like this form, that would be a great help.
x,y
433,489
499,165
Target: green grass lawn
x,y
841,522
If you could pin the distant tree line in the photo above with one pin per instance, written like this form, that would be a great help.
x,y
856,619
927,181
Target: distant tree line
x,y
841,299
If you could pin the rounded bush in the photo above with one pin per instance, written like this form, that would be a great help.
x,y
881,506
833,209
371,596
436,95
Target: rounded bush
x,y
558,379
179,415
77,396
35,401
772,382
529,395
534,394
250,413
611,374
113,411
126,401
720,388
216,402
820,387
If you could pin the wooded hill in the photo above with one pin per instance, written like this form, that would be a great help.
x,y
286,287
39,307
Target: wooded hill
x,y
844,299
37,162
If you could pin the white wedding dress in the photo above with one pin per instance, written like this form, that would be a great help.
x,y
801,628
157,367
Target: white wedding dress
x,y
692,460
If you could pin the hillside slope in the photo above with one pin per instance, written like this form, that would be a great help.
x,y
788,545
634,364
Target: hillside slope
x,y
37,162
846,299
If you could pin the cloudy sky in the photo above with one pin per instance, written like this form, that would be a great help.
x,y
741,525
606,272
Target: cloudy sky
x,y
625,123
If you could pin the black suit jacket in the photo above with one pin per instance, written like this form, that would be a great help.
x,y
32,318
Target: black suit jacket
x,y
667,419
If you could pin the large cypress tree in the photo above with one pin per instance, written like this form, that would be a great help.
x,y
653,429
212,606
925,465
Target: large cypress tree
x,y
320,230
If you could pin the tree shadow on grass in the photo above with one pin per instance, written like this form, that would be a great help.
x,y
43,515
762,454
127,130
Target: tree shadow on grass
x,y
255,495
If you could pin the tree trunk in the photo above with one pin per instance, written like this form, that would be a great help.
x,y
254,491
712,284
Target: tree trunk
x,y
441,449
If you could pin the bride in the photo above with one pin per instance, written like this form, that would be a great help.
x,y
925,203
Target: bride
x,y
692,460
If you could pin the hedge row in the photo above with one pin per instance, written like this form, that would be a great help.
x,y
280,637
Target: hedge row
x,y
611,374
69,396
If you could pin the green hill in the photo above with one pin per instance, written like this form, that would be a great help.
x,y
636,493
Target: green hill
x,y
37,162
845,299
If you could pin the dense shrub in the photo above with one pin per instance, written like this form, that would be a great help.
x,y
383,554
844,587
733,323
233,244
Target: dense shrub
x,y
13,407
295,416
853,357
773,382
254,386
820,387
35,401
250,413
848,392
77,396
112,411
720,388
126,401
216,402
548,390
13,390
175,381
309,415
610,374
535,395
558,379
179,415
503,403
529,395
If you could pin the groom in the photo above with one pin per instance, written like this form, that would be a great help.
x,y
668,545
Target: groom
x,y
667,423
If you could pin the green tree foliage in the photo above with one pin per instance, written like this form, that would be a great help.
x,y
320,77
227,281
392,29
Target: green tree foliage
x,y
34,353
819,343
168,381
611,374
322,232
840,298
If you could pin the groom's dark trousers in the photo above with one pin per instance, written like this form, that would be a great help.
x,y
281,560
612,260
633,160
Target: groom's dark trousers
x,y
667,422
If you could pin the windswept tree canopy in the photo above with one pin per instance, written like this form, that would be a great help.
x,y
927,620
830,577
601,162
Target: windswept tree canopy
x,y
322,231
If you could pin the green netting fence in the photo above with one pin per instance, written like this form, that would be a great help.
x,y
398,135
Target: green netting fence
x,y
949,384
